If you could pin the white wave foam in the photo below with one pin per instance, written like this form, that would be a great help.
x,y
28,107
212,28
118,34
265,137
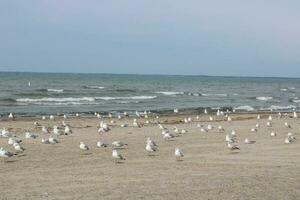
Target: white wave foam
x,y
247,108
71,99
296,100
264,98
207,95
94,87
170,93
126,98
273,107
55,90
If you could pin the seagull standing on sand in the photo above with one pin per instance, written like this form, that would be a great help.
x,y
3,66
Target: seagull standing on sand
x,y
150,148
178,154
52,140
83,147
273,134
295,115
68,131
118,144
101,144
232,146
117,156
18,147
30,135
5,154
11,116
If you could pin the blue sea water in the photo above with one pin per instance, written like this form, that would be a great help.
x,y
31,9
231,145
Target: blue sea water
x,y
51,93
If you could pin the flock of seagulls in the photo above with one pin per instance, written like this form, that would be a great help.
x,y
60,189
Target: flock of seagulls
x,y
151,146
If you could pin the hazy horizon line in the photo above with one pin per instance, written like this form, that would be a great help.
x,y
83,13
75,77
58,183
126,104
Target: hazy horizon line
x,y
150,74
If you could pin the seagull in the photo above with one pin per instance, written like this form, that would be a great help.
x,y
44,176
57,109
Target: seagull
x,y
210,127
6,133
203,130
117,156
253,130
118,144
247,141
175,110
229,139
56,131
5,154
178,154
101,144
83,147
186,120
45,141
43,118
270,118
150,148
103,127
51,117
68,130
18,147
30,135
295,115
211,118
176,130
205,111
229,119
273,134
36,124
45,130
151,142
11,116
221,129
124,125
52,140
269,124
287,125
183,131
136,124
258,117
232,146
11,141
233,133
168,136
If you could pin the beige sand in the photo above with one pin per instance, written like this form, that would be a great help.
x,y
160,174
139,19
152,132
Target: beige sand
x,y
268,169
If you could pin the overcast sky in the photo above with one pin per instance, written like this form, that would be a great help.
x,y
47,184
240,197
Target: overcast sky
x,y
248,38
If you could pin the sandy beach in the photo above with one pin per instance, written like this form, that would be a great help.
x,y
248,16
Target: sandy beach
x,y
267,169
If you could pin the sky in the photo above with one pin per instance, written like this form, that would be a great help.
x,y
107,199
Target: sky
x,y
194,37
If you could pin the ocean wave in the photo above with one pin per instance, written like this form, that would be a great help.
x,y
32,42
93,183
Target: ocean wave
x,y
274,107
207,95
93,87
264,98
124,98
70,99
63,103
170,93
55,90
247,108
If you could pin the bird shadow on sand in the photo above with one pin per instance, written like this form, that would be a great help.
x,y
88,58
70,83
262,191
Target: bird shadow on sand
x,y
234,152
21,155
152,155
86,154
10,161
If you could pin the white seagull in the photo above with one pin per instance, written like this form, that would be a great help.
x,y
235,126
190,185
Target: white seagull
x,y
178,154
117,156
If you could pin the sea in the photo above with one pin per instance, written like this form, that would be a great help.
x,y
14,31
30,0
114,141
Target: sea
x,y
34,94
